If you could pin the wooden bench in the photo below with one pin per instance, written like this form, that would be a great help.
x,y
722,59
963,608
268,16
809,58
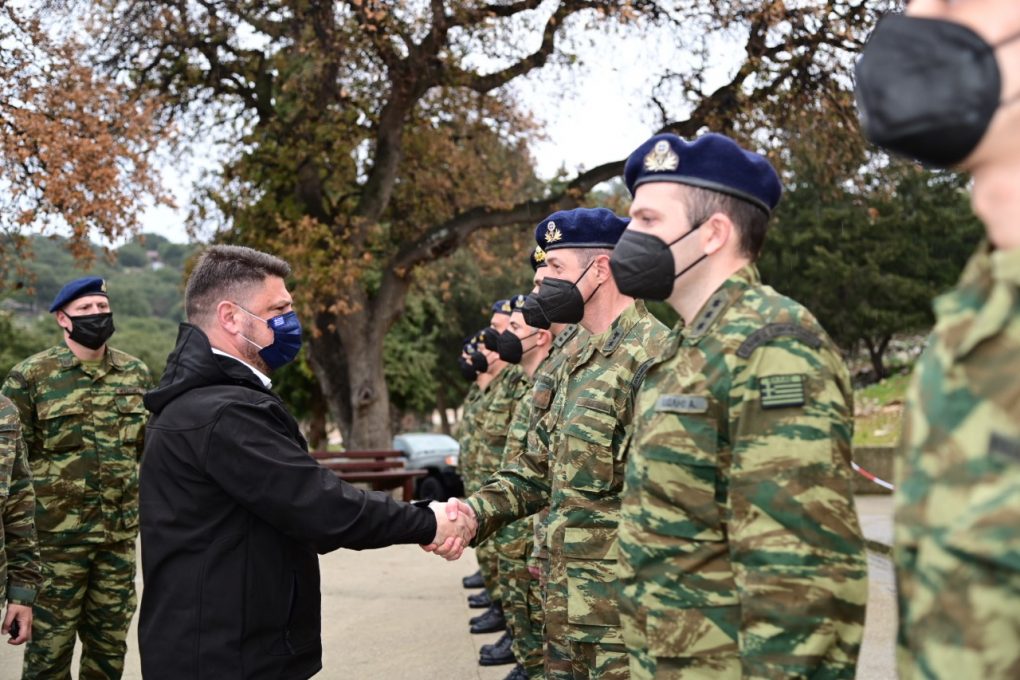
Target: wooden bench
x,y
382,470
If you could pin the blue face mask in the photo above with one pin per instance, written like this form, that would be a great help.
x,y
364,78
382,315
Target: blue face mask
x,y
286,339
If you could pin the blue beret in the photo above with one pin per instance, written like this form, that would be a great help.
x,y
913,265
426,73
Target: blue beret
x,y
517,301
712,161
502,307
538,258
89,285
580,228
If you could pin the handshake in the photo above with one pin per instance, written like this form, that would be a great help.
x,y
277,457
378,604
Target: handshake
x,y
456,525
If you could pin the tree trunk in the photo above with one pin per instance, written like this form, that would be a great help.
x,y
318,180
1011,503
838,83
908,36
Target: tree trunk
x,y
876,352
347,358
444,422
317,438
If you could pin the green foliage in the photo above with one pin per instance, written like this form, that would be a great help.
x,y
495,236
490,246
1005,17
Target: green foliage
x,y
132,255
150,339
19,340
868,263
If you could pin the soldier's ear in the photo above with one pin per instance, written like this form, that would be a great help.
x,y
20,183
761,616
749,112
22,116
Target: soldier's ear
x,y
227,315
63,320
716,232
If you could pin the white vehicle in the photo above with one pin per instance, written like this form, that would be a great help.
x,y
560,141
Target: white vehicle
x,y
437,453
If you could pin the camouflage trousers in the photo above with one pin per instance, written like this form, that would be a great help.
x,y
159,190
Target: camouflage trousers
x,y
516,589
666,663
567,655
88,592
488,564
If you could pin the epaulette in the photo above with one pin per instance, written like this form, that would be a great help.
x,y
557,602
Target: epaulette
x,y
777,330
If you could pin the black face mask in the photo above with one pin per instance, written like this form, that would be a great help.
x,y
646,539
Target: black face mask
x,y
928,88
479,361
490,338
91,330
561,300
642,265
511,349
467,371
533,314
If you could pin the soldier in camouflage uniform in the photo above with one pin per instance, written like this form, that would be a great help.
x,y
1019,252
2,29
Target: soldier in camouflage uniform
x,y
575,456
957,499
83,423
471,364
740,550
20,574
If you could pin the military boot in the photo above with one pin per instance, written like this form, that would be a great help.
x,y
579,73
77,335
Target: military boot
x,y
475,580
491,621
499,655
480,600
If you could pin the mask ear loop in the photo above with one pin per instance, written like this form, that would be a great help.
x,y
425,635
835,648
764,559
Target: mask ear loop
x,y
582,276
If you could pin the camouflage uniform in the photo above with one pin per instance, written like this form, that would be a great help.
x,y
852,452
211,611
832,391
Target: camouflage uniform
x,y
957,523
574,463
740,550
465,429
20,575
512,541
83,428
493,427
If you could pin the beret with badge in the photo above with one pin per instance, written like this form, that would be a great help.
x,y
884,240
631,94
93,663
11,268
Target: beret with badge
x,y
538,258
502,307
712,161
79,288
580,228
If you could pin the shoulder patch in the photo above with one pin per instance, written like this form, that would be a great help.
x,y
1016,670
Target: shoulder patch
x,y
777,330
639,375
781,391
681,403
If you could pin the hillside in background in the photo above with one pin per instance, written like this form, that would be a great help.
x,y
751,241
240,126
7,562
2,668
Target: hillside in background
x,y
144,283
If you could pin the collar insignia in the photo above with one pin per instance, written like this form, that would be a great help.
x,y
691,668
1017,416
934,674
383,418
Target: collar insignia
x,y
661,158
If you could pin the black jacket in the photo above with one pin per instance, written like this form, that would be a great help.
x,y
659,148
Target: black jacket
x,y
233,512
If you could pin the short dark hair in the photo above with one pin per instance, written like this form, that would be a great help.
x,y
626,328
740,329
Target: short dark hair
x,y
750,220
585,256
227,272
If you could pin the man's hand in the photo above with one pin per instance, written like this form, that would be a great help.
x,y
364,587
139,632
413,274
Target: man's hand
x,y
455,527
23,615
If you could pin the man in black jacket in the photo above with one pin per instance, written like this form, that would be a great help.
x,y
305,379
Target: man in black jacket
x,y
233,509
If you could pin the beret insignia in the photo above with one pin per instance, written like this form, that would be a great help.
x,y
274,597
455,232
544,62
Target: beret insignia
x,y
661,158
552,233
102,286
539,253
506,306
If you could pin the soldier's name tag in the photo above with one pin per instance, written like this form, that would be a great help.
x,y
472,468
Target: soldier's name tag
x,y
681,403
781,391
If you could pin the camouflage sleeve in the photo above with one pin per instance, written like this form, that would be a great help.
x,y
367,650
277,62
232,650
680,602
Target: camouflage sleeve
x,y
17,388
796,547
24,576
520,489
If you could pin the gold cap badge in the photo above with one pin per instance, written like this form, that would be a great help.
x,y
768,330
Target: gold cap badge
x,y
506,306
539,254
102,286
552,233
661,158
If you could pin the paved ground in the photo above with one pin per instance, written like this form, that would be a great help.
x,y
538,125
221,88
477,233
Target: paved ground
x,y
399,613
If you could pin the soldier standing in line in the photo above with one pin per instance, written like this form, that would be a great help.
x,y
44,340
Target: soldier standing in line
x,y
957,519
740,550
522,345
493,425
473,367
20,573
575,457
83,423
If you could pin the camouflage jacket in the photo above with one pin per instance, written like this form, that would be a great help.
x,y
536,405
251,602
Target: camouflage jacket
x,y
739,545
574,463
494,423
547,379
20,573
466,429
513,539
84,432
957,522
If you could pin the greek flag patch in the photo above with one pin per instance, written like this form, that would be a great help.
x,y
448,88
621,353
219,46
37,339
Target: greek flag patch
x,y
780,391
